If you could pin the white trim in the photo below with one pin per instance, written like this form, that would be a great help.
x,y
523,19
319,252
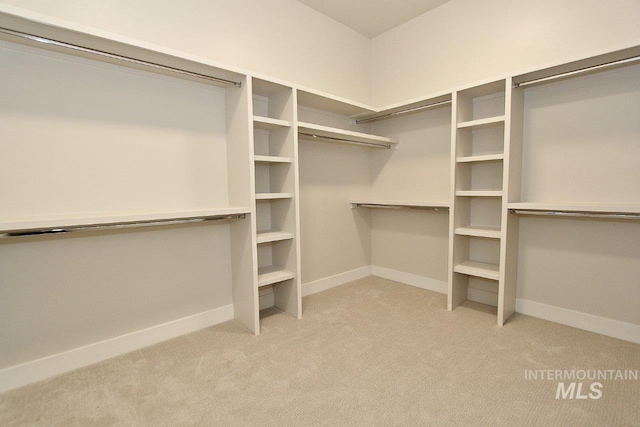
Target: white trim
x,y
337,280
588,322
410,279
40,369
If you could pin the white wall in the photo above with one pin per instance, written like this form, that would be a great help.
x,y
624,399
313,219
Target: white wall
x,y
279,38
464,41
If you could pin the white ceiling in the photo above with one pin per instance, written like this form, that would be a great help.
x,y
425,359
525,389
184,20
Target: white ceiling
x,y
372,17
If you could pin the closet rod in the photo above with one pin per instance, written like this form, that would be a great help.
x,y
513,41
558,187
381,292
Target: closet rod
x,y
118,57
348,141
579,71
381,206
401,112
120,225
577,214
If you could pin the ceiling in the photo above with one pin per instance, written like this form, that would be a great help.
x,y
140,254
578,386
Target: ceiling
x,y
372,17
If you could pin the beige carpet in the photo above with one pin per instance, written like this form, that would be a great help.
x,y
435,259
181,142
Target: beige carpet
x,y
372,352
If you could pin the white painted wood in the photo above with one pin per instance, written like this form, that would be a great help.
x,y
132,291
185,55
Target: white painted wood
x,y
415,280
478,193
481,158
272,236
578,207
270,275
267,123
479,231
482,123
392,203
271,159
273,196
479,269
56,364
335,280
340,133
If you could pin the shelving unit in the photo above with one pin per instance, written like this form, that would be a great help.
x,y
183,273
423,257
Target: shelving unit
x,y
276,189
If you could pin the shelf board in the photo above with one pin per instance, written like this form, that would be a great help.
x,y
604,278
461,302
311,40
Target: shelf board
x,y
478,193
479,231
399,204
272,236
481,158
272,159
273,196
267,123
482,123
345,135
479,269
97,220
578,207
270,275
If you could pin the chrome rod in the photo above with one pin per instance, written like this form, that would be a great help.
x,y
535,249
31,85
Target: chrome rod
x,y
579,71
119,225
347,141
401,112
577,214
399,206
118,57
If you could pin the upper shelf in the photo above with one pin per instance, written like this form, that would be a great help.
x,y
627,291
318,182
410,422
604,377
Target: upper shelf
x,y
267,123
438,101
397,204
630,211
482,123
140,56
61,223
312,130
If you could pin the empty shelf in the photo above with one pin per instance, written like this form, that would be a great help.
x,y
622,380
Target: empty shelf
x,y
273,236
479,193
481,158
273,196
271,159
479,231
270,275
397,204
631,212
479,269
482,123
267,123
312,131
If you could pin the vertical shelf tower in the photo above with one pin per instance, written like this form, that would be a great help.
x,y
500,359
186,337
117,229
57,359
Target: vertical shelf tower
x,y
479,191
276,196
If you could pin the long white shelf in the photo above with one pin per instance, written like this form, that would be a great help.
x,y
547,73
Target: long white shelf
x,y
271,159
399,204
631,211
273,236
267,123
100,220
273,196
479,269
481,158
482,123
341,135
478,193
270,275
479,231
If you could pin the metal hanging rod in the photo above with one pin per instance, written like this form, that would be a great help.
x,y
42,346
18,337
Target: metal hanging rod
x,y
401,112
399,206
579,71
577,214
347,141
118,57
120,225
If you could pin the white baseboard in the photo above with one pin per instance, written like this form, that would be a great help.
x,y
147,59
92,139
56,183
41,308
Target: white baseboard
x,y
337,280
410,279
47,367
588,322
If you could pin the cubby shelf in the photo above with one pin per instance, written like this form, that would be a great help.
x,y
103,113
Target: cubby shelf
x,y
271,159
267,123
272,236
481,158
344,135
478,269
479,231
482,123
479,193
273,196
271,275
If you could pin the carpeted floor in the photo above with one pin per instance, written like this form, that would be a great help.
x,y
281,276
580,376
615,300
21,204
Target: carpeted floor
x,y
372,352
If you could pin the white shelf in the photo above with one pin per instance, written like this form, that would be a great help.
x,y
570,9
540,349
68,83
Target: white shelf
x,y
270,275
578,207
272,236
399,204
9,225
478,193
273,196
346,135
481,158
267,123
272,159
479,231
482,123
479,269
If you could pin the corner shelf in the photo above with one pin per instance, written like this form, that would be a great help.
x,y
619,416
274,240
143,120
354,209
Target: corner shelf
x,y
479,231
341,135
267,123
478,269
271,275
272,236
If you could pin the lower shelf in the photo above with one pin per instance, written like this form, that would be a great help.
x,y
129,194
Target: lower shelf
x,y
479,269
270,275
272,236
